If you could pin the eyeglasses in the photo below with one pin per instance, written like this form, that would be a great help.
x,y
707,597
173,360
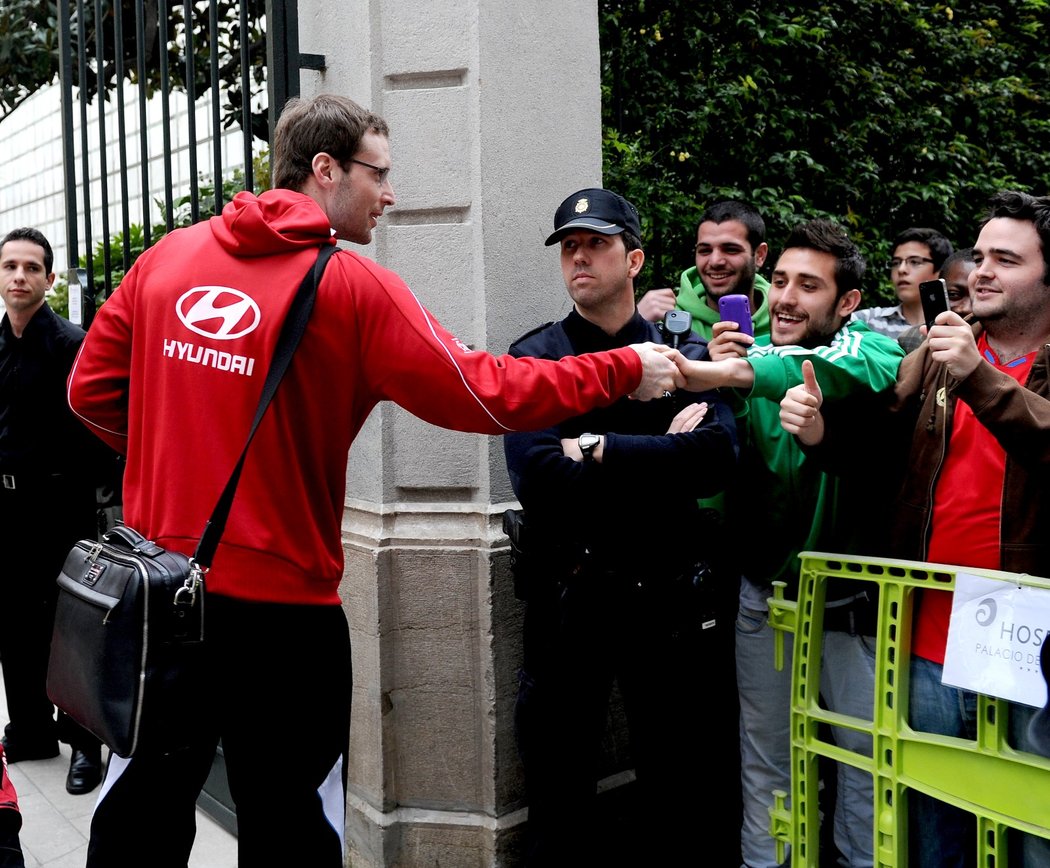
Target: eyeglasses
x,y
912,262
381,174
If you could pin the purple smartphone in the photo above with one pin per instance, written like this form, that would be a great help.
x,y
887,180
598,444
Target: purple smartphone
x,y
736,308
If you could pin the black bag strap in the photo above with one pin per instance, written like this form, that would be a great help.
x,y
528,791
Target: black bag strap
x,y
291,333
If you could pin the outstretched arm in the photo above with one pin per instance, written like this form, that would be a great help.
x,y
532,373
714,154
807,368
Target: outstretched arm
x,y
702,376
409,358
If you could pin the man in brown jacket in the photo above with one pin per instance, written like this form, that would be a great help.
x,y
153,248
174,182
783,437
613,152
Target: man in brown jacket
x,y
971,414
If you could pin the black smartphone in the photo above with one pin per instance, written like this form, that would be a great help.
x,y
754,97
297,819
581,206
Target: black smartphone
x,y
736,308
934,297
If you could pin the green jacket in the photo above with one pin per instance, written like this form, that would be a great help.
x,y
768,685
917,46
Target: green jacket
x,y
692,297
783,503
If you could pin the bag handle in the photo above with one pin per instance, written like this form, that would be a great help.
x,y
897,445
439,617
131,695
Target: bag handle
x,y
131,539
291,333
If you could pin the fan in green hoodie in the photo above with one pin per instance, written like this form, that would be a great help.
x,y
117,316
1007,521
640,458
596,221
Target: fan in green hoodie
x,y
693,297
730,248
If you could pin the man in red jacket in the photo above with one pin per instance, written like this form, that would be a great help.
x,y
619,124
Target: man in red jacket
x,y
171,373
968,430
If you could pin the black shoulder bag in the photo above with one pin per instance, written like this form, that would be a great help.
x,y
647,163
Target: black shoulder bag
x,y
127,653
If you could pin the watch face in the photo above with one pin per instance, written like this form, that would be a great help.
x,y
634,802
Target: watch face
x,y
588,443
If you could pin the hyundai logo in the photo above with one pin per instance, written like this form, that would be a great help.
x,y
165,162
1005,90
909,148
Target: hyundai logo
x,y
218,312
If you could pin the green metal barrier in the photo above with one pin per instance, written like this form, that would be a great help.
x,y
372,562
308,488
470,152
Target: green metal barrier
x,y
1003,787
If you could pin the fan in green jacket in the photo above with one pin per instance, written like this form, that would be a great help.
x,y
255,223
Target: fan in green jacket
x,y
780,489
780,503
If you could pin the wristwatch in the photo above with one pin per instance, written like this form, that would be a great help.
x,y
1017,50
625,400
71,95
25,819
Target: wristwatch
x,y
588,443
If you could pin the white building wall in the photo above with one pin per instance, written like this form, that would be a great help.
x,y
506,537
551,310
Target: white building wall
x,y
32,177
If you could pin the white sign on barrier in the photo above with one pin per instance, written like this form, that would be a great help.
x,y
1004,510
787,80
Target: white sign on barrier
x,y
995,637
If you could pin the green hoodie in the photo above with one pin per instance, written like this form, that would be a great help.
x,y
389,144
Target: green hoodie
x,y
692,297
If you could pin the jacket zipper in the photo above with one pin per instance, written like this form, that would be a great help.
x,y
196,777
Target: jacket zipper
x,y
948,407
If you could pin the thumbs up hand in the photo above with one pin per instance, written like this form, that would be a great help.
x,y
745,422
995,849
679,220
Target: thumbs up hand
x,y
800,408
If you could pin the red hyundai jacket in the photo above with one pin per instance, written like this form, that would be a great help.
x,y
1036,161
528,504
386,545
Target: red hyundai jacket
x,y
173,365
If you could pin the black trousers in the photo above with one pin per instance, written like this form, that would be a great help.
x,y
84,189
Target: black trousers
x,y
679,692
41,520
280,680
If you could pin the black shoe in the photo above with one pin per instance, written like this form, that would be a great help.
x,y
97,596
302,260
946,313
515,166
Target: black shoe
x,y
85,772
16,751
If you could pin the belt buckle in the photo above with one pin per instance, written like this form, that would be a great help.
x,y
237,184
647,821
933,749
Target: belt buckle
x,y
9,481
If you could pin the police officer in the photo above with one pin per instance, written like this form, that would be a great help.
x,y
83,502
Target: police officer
x,y
47,497
609,502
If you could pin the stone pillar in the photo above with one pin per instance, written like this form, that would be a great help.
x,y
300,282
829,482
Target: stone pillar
x,y
494,109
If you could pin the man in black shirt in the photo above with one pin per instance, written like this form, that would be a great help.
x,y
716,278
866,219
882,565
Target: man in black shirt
x,y
610,501
47,500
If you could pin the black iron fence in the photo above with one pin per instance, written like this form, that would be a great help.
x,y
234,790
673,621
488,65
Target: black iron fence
x,y
123,65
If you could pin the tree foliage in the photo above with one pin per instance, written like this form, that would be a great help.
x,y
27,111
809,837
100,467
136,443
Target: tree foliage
x,y
29,50
880,115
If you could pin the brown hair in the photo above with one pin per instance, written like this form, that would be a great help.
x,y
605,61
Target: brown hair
x,y
825,236
325,124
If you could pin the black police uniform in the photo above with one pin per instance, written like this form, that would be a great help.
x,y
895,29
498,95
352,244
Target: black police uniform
x,y
609,596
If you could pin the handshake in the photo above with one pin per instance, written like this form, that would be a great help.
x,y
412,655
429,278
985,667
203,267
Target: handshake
x,y
661,374
665,369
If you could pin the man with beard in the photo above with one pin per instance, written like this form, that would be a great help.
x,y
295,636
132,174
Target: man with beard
x,y
969,421
730,248
783,499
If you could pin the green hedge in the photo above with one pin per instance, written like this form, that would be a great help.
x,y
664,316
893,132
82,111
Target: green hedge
x,y
880,114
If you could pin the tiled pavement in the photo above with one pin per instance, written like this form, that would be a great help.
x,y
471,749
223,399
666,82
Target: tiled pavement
x,y
55,824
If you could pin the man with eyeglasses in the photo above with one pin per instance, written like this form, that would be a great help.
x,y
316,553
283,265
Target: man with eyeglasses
x,y
918,254
956,276
170,374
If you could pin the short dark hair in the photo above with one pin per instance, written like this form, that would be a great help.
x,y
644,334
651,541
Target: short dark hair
x,y
940,247
1022,206
964,254
630,240
27,233
327,124
731,209
828,237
